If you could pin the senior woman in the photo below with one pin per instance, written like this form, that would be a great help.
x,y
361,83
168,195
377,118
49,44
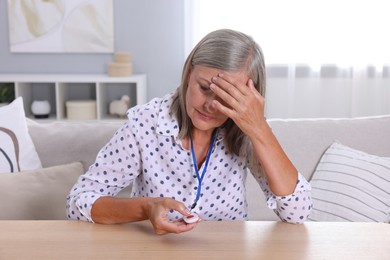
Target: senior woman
x,y
190,151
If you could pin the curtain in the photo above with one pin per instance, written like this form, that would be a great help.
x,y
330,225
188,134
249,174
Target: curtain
x,y
324,58
297,91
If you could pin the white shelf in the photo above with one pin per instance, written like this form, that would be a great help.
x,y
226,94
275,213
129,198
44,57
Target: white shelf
x,y
58,88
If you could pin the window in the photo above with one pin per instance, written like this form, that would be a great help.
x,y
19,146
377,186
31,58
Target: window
x,y
315,32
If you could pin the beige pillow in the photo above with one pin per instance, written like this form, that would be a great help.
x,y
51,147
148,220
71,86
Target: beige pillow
x,y
38,194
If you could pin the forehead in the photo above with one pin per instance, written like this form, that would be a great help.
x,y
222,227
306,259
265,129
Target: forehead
x,y
199,72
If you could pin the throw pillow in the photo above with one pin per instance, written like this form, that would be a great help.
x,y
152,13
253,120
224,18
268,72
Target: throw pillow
x,y
351,185
17,150
38,194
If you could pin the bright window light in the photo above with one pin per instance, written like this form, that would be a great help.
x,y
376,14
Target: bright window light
x,y
342,32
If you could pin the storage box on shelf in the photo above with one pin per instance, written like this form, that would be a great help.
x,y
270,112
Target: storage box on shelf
x,y
60,88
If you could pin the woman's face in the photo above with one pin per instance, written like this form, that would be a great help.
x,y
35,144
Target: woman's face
x,y
199,98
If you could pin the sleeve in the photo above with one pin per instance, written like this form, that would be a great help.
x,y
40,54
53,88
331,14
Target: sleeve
x,y
117,165
294,208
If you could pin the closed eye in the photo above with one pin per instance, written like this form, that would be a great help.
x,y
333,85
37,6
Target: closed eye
x,y
205,88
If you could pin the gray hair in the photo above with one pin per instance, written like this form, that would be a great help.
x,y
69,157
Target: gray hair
x,y
227,50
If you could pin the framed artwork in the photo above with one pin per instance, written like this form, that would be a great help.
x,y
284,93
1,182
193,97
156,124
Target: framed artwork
x,y
61,26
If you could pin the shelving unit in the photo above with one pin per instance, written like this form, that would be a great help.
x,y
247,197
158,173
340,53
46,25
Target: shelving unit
x,y
59,88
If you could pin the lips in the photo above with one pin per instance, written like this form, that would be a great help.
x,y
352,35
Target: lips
x,y
204,116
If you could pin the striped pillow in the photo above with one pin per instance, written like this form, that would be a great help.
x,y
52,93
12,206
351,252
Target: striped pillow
x,y
350,185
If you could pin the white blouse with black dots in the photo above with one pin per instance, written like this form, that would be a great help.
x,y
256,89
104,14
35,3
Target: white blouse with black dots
x,y
146,153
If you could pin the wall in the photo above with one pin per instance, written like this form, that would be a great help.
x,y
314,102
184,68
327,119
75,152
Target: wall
x,y
153,31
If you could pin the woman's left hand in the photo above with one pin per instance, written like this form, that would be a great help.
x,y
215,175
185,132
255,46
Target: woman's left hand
x,y
239,101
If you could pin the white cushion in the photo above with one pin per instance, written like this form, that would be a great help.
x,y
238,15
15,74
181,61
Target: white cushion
x,y
351,185
38,194
17,149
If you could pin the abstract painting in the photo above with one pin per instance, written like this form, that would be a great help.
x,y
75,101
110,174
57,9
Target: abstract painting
x,y
61,26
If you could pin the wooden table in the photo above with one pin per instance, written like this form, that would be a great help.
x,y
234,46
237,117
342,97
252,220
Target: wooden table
x,y
210,240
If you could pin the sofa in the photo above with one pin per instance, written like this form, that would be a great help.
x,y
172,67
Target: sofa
x,y
65,142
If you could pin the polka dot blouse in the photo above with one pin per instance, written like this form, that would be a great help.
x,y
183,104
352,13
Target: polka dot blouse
x,y
147,154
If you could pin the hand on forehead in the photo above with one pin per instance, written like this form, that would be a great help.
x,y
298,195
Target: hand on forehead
x,y
207,74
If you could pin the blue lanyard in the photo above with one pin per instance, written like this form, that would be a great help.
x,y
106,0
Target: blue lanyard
x,y
200,177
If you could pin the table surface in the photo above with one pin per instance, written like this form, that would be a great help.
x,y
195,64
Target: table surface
x,y
210,240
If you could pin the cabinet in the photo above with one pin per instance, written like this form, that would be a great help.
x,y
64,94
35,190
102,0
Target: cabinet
x,y
59,88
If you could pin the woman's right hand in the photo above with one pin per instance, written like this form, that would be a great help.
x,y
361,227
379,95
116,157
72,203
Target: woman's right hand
x,y
112,210
157,212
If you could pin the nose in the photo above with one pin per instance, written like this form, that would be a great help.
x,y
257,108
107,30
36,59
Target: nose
x,y
209,107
